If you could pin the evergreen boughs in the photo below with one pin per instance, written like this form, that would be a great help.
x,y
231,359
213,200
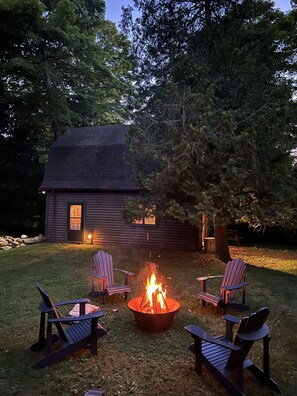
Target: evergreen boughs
x,y
214,93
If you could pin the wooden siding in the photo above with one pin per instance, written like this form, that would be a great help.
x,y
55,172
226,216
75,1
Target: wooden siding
x,y
103,218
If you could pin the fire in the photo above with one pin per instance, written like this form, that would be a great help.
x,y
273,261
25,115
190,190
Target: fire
x,y
154,299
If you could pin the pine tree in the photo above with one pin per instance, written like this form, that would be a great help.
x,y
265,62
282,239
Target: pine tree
x,y
215,128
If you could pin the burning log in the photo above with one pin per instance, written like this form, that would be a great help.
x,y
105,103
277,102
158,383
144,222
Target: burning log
x,y
154,298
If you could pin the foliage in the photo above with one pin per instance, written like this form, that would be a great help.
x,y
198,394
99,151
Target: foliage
x,y
129,361
62,65
215,126
64,61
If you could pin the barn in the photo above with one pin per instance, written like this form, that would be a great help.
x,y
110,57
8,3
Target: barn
x,y
86,183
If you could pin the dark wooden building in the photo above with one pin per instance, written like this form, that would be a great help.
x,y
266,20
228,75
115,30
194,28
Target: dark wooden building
x,y
86,183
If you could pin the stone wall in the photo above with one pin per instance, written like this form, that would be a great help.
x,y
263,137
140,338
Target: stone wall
x,y
8,242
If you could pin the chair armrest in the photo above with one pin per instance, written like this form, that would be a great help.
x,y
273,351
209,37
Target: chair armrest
x,y
124,272
202,280
94,275
67,302
231,318
230,322
197,332
234,287
95,314
205,278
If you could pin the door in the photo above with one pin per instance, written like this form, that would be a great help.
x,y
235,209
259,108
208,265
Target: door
x,y
75,227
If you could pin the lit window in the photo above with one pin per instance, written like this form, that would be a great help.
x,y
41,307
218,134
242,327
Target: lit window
x,y
139,220
150,219
75,217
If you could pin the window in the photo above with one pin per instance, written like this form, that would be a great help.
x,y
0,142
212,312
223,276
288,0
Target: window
x,y
149,219
75,214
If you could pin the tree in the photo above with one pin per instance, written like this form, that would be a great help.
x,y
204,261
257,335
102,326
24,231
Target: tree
x,y
62,65
65,54
215,128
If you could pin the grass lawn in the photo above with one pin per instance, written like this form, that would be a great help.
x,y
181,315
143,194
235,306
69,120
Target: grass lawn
x,y
132,362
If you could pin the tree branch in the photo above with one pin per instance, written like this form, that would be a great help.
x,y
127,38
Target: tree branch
x,y
254,113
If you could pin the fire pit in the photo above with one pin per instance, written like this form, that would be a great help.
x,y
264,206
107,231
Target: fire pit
x,y
154,312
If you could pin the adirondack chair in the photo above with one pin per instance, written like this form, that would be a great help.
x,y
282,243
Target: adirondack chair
x,y
103,271
225,357
233,279
81,331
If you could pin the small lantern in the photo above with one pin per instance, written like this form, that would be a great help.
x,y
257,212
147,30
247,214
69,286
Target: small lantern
x,y
90,238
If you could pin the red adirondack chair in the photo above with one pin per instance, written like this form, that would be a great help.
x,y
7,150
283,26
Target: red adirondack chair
x,y
233,280
103,273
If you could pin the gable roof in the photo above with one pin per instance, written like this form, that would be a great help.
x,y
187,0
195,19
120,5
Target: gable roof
x,y
90,158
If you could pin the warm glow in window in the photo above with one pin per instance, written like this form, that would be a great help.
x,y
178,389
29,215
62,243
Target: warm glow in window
x,y
75,217
138,221
149,220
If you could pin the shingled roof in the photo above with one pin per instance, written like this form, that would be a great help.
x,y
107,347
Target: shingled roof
x,y
89,158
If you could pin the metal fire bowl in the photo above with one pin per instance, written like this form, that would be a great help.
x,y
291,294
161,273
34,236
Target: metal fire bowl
x,y
153,322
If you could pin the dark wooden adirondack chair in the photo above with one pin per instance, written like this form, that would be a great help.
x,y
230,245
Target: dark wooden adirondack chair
x,y
233,279
80,331
103,271
225,357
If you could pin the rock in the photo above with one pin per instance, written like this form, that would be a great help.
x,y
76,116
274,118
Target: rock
x,y
5,247
41,238
30,241
14,244
8,242
3,242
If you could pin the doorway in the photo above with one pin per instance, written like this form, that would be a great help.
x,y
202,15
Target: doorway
x,y
75,227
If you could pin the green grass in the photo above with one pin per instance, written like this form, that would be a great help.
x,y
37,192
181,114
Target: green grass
x,y
132,362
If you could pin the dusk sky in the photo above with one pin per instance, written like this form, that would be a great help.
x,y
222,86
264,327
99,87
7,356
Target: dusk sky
x,y
114,7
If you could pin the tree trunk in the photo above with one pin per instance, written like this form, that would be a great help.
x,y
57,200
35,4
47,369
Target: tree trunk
x,y
204,232
47,82
222,247
56,129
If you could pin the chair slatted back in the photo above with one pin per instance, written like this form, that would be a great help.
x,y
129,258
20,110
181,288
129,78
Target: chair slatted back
x,y
233,275
103,266
48,302
248,325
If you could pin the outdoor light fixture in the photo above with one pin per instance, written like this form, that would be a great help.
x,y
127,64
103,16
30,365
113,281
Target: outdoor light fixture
x,y
90,239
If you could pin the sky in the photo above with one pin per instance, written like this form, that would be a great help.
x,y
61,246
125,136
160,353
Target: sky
x,y
114,8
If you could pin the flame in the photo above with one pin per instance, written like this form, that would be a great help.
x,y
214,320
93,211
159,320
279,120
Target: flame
x,y
154,299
